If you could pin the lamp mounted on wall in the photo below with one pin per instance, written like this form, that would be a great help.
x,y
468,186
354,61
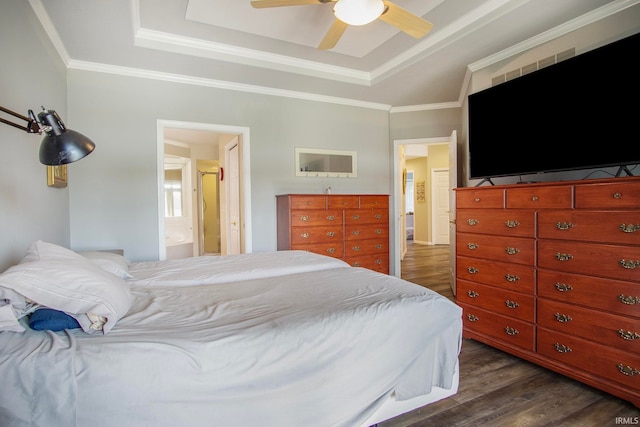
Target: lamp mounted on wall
x,y
60,145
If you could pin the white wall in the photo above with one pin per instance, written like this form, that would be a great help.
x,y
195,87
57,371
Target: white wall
x,y
31,76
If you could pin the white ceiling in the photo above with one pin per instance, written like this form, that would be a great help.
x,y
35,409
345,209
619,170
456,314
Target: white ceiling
x,y
229,44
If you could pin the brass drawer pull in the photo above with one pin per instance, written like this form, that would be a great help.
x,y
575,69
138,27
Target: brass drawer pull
x,y
356,264
355,233
563,257
562,318
309,202
629,264
356,217
629,300
472,246
477,199
356,248
305,235
472,222
511,331
629,228
331,233
511,224
511,304
561,287
472,270
331,250
628,335
472,318
628,370
378,246
378,231
304,218
535,198
379,261
511,278
564,225
472,294
331,217
617,195
378,216
512,251
562,348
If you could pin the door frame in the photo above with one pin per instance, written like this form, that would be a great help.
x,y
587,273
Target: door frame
x,y
245,175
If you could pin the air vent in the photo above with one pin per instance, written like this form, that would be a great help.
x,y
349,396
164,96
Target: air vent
x,y
569,53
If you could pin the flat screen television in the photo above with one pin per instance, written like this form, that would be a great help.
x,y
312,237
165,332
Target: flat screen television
x,y
581,113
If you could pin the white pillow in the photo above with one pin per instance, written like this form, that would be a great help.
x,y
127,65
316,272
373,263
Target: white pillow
x,y
109,261
59,278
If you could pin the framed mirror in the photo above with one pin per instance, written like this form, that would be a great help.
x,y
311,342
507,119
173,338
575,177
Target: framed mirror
x,y
325,163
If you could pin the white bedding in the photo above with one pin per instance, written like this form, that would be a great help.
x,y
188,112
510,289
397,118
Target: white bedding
x,y
210,270
306,349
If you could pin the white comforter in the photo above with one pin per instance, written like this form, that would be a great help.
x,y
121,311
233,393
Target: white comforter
x,y
309,349
208,270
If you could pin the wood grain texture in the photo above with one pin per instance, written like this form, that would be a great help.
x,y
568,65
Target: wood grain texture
x,y
498,389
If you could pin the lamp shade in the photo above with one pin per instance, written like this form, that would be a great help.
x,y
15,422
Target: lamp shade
x,y
358,12
61,145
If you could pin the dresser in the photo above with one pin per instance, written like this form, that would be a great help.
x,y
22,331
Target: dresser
x,y
551,273
352,227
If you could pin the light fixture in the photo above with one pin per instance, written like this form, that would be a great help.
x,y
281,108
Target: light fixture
x,y
358,12
60,145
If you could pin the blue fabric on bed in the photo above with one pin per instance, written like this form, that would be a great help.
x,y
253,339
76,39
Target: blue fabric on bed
x,y
48,319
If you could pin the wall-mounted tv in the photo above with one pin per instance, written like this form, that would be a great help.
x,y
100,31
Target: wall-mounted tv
x,y
581,113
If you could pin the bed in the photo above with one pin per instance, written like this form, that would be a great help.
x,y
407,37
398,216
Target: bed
x,y
315,345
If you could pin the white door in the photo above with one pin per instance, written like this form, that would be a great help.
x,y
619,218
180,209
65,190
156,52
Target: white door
x,y
440,206
453,183
234,226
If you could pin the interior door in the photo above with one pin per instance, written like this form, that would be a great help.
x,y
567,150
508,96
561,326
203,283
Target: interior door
x,y
234,226
440,206
453,183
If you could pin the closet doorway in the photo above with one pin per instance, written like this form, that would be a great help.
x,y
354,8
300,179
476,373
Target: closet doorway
x,y
209,210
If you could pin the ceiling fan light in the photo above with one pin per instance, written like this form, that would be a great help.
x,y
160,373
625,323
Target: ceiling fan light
x,y
358,12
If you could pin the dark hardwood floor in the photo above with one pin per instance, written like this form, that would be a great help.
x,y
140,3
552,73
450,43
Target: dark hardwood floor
x,y
497,389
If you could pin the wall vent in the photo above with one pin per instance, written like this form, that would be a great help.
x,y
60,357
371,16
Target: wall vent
x,y
510,75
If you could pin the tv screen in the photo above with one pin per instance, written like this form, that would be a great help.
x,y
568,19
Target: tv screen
x,y
580,113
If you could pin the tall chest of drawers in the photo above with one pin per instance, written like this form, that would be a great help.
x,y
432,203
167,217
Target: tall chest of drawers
x,y
551,273
352,227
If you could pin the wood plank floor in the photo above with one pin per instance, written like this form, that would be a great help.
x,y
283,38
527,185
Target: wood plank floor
x,y
497,389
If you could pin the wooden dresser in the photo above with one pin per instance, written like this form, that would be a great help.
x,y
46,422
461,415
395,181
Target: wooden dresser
x,y
551,273
351,227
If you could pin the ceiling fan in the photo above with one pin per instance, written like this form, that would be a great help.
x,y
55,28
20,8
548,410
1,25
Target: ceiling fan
x,y
359,12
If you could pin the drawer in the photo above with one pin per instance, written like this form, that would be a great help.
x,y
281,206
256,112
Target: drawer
x,y
496,221
374,202
479,198
610,195
497,300
367,216
596,226
334,249
519,250
366,231
303,235
366,247
309,217
308,202
378,262
514,277
606,362
343,202
556,197
615,262
506,329
608,329
610,295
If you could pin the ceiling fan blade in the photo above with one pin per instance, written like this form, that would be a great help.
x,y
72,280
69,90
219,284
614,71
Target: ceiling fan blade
x,y
404,20
276,3
333,35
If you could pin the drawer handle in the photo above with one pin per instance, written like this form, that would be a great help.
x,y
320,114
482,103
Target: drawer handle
x,y
379,261
511,304
378,216
561,287
629,300
511,331
535,198
511,278
560,348
378,231
331,217
378,246
629,228
562,318
617,195
356,217
309,202
356,264
356,248
628,335
472,270
331,233
472,318
628,370
355,233
477,199
331,250
511,223
563,257
564,225
472,246
472,294
511,251
305,235
304,218
629,264
472,222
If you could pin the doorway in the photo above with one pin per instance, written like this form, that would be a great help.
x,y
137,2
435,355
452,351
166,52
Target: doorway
x,y
208,210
